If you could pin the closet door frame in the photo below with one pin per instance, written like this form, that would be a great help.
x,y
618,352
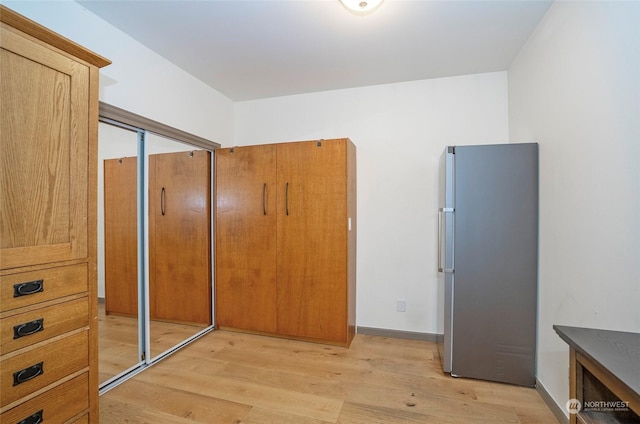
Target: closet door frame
x,y
112,115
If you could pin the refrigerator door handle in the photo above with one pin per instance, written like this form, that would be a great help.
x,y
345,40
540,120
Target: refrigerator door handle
x,y
441,211
440,268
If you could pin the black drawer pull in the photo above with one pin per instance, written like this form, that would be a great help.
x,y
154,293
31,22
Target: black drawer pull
x,y
28,328
34,419
28,373
30,287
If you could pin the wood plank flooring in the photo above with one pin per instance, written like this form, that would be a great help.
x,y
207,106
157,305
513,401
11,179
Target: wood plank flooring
x,y
237,378
118,341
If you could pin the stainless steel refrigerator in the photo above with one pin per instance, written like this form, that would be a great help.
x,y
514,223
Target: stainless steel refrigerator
x,y
488,257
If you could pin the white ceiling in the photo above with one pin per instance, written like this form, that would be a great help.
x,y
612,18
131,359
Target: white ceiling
x,y
257,49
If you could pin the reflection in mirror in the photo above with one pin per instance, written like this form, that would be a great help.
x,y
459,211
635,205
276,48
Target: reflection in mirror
x,y
179,242
154,242
118,280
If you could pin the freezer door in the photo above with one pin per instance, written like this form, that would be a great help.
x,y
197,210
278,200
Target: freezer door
x,y
495,291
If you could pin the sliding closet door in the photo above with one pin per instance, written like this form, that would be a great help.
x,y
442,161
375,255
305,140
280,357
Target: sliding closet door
x,y
155,237
154,242
178,242
120,342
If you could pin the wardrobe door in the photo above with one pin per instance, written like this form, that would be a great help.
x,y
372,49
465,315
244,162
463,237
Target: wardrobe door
x,y
312,240
179,237
45,154
246,238
120,240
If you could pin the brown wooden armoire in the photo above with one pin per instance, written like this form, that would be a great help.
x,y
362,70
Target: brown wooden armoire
x,y
179,237
48,193
285,247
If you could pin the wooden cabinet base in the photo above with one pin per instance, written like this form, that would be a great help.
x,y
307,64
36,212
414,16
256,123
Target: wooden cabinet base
x,y
282,336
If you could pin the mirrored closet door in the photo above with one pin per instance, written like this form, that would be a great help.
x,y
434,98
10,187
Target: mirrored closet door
x,y
154,236
179,242
121,327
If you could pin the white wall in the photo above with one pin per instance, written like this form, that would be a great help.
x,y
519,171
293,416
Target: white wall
x,y
575,88
399,130
138,80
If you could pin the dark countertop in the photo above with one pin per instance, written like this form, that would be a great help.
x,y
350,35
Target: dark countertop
x,y
617,351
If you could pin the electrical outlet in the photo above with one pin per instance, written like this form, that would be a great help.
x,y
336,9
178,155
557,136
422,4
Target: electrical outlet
x,y
401,306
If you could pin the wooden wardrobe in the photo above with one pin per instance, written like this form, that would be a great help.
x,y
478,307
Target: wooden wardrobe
x,y
179,237
285,247
48,189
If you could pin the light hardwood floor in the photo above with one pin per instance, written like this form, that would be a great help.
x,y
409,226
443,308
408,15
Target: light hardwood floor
x,y
234,378
118,341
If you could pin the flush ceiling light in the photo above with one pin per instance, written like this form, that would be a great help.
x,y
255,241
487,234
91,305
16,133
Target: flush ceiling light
x,y
361,7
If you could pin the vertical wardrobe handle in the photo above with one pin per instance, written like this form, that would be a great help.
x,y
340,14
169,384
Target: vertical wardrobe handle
x,y
264,199
162,201
286,198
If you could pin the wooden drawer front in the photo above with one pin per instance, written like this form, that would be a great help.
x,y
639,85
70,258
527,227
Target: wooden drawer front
x,y
55,282
58,405
31,327
58,359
